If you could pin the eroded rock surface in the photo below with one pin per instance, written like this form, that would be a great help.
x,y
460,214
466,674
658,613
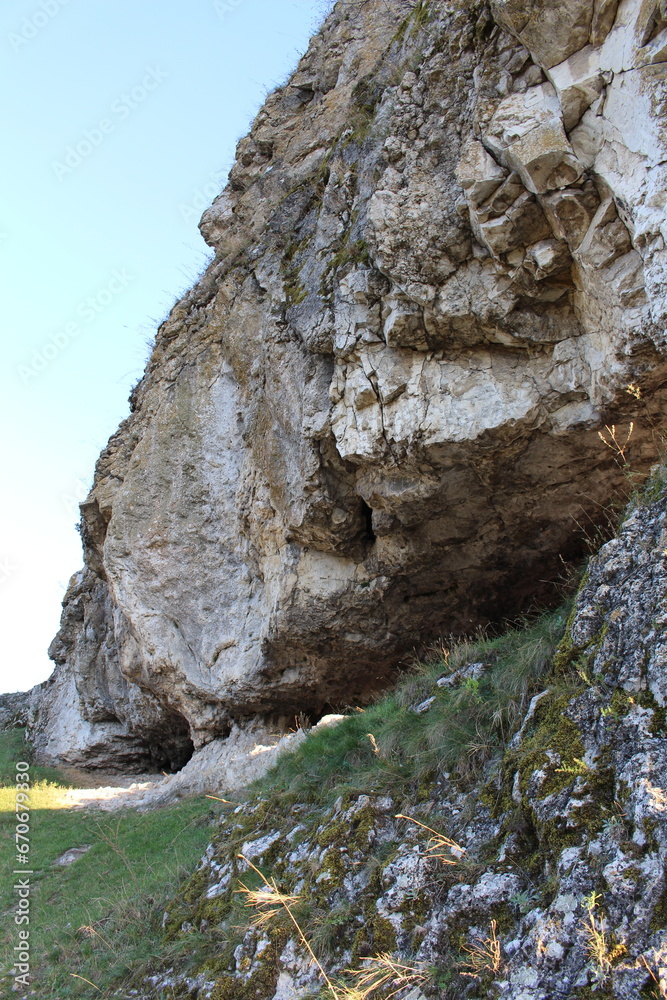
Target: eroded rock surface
x,y
14,709
546,877
439,271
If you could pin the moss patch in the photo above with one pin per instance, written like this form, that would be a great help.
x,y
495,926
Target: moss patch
x,y
553,746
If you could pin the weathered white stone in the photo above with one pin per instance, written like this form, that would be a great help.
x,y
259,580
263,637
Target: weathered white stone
x,y
404,325
578,82
550,31
478,173
526,134
570,213
588,815
423,706
604,15
607,238
546,257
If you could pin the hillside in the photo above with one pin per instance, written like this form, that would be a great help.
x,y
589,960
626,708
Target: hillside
x,y
493,828
421,378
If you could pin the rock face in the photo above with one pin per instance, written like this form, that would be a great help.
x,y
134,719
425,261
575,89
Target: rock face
x,y
89,707
439,272
554,879
14,709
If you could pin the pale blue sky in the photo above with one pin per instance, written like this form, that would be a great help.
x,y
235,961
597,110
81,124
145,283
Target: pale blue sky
x,y
96,245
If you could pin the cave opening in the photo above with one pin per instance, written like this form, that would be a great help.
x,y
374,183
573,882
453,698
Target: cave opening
x,y
170,747
367,520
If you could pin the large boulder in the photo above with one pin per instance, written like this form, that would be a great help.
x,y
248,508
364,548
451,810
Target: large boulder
x,y
439,274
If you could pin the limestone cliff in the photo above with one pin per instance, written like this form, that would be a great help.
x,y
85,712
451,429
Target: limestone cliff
x,y
536,874
439,272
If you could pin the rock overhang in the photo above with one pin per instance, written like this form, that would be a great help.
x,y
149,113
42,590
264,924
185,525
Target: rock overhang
x,y
376,418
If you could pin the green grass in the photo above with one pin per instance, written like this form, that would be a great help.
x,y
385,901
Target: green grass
x,y
460,732
13,748
100,918
387,749
647,488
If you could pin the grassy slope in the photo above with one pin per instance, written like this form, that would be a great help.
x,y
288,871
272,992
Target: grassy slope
x,y
100,917
389,748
